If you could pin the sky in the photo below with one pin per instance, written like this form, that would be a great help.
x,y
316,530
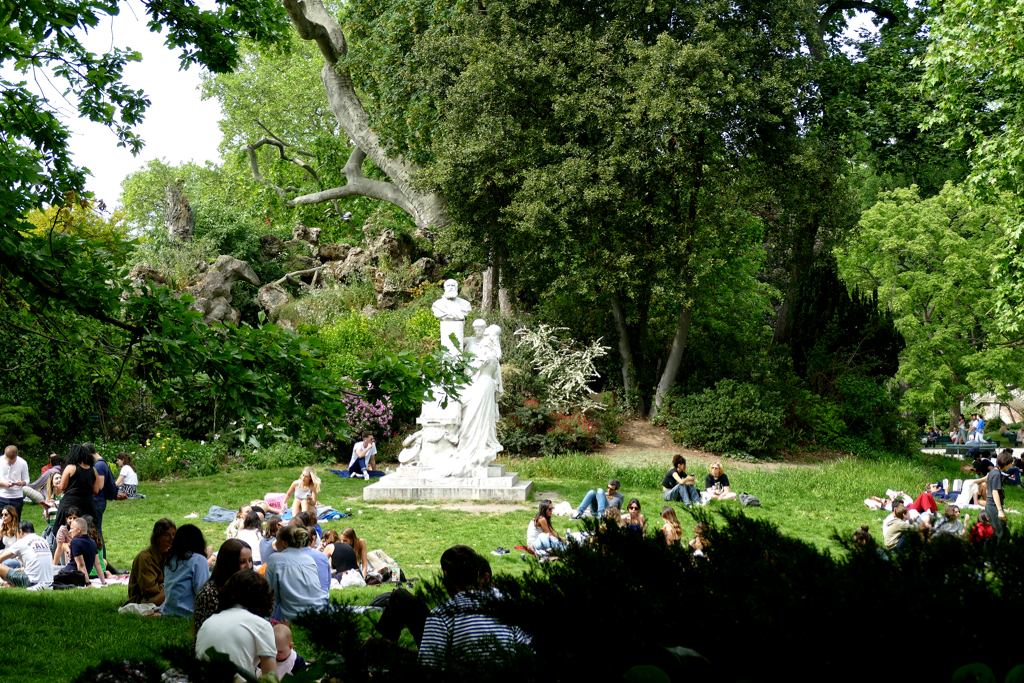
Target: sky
x,y
178,127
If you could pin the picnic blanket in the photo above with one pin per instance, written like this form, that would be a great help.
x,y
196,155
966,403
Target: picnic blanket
x,y
219,514
345,474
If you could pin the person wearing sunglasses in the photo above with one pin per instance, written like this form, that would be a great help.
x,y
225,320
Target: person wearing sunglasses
x,y
632,519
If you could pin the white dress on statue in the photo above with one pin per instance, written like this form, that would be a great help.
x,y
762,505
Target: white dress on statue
x,y
478,430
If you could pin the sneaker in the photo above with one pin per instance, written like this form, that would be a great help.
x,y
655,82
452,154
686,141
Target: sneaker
x,y
577,516
366,475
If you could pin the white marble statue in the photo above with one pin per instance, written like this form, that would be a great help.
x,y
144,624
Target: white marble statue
x,y
478,429
469,346
450,306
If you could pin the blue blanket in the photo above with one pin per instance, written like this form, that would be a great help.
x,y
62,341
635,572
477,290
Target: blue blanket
x,y
219,514
345,474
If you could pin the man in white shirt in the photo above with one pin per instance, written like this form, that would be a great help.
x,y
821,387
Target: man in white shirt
x,y
13,475
363,461
34,554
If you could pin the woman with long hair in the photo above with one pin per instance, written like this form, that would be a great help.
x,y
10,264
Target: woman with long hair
x,y
9,521
540,534
127,478
146,581
306,489
632,519
79,483
185,571
241,629
234,556
673,530
341,554
268,544
293,575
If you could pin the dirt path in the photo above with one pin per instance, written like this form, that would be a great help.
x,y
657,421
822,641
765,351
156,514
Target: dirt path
x,y
641,443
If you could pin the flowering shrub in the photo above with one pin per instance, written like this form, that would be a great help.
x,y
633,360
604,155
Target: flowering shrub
x,y
362,414
168,454
566,368
535,429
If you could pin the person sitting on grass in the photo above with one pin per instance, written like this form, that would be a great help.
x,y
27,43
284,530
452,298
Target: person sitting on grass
x,y
460,629
673,530
950,522
341,555
323,563
239,522
84,554
699,542
62,542
717,483
924,505
597,501
540,534
1012,473
33,555
633,520
677,485
267,543
127,478
94,534
234,556
252,533
293,575
241,629
306,490
146,581
185,571
358,545
363,459
982,530
288,661
895,527
9,521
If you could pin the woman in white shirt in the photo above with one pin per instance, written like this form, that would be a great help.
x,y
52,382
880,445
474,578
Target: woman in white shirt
x,y
127,479
241,629
306,489
252,533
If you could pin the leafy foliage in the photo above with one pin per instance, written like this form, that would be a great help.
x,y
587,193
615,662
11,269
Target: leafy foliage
x,y
19,424
733,417
566,368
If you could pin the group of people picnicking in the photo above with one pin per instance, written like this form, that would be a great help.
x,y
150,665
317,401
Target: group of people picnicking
x,y
74,492
966,431
984,490
606,504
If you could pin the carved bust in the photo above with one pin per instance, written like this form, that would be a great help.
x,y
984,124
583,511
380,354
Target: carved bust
x,y
450,306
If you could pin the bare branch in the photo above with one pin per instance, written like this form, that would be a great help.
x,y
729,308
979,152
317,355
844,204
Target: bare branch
x,y
293,277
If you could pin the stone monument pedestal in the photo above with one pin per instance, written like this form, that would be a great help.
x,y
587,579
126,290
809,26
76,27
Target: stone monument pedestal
x,y
415,483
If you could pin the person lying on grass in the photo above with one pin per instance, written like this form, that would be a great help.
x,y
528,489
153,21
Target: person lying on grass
x,y
146,581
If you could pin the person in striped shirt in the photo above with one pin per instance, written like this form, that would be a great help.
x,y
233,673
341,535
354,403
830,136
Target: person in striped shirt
x,y
461,629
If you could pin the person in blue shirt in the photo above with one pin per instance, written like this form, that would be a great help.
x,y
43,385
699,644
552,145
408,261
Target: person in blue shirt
x,y
186,569
293,575
323,563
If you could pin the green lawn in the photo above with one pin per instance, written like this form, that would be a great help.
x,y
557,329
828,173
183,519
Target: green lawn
x,y
82,627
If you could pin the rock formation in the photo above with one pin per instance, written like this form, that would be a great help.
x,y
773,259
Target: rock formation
x,y
178,217
212,294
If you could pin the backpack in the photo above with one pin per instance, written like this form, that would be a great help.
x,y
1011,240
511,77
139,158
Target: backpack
x,y
749,499
109,484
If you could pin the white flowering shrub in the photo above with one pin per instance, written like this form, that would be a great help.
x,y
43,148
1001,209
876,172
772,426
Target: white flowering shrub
x,y
566,367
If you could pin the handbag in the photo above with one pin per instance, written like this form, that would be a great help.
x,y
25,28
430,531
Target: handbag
x,y
749,499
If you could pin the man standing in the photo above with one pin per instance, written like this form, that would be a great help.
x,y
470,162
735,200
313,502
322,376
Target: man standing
x,y
107,492
461,629
34,554
598,501
13,475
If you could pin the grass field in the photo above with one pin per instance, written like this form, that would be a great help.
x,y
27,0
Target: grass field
x,y
81,628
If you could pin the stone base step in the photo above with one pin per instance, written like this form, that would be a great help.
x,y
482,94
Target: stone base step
x,y
499,490
434,473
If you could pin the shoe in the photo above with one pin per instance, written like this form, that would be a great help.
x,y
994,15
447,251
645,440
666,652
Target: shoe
x,y
577,516
501,551
366,475
523,557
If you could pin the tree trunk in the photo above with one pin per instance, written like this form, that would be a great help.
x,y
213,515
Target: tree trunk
x,y
487,297
505,306
313,22
675,357
178,218
628,371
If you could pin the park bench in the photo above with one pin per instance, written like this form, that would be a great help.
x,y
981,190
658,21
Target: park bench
x,y
987,449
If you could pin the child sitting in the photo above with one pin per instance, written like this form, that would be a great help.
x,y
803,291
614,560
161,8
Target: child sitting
x,y
982,530
287,659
